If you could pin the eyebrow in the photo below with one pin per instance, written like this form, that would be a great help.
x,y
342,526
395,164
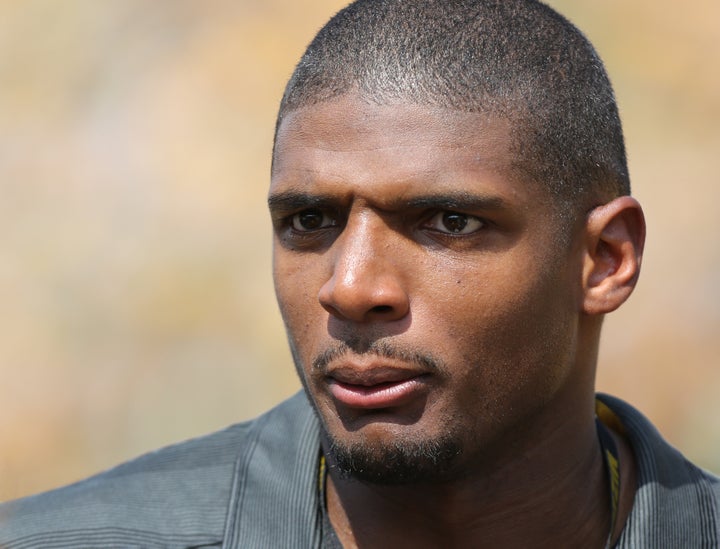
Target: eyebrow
x,y
294,200
460,200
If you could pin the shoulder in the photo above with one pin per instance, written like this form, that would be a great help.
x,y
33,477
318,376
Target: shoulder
x,y
677,504
175,496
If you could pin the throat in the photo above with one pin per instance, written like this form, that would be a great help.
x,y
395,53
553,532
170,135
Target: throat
x,y
567,504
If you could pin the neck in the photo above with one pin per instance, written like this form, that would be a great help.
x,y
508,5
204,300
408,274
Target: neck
x,y
555,495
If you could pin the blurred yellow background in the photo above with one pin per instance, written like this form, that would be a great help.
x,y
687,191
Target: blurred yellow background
x,y
137,304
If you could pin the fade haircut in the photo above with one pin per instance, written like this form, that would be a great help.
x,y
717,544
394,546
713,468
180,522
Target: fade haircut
x,y
514,59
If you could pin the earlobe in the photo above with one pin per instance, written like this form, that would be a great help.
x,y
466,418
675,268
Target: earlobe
x,y
615,236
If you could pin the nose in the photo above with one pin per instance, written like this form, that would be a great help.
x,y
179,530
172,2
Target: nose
x,y
367,284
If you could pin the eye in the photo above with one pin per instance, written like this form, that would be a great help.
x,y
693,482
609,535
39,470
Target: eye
x,y
454,223
311,219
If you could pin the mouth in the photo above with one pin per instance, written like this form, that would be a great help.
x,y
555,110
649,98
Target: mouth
x,y
375,388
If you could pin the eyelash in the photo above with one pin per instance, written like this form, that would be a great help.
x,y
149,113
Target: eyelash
x,y
476,223
291,220
330,220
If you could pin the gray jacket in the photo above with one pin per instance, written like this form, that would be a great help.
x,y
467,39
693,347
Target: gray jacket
x,y
255,485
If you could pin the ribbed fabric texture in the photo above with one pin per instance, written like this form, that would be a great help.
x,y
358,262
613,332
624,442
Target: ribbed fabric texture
x,y
277,503
254,486
676,504
109,537
175,497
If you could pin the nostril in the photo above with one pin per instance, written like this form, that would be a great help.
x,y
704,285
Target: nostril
x,y
382,309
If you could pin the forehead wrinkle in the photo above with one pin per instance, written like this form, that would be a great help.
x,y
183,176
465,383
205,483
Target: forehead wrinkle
x,y
430,123
357,173
408,186
378,155
429,161
319,148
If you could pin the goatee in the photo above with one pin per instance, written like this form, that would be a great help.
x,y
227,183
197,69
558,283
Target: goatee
x,y
394,463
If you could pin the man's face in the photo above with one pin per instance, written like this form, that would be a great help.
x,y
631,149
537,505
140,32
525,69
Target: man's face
x,y
431,307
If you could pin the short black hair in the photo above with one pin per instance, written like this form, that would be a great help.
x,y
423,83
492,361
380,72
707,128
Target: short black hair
x,y
515,59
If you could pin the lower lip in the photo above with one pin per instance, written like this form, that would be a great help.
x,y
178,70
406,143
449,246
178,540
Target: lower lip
x,y
384,395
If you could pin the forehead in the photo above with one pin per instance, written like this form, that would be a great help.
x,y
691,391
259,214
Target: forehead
x,y
368,145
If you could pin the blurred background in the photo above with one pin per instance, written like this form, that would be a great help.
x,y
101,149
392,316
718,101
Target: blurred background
x,y
136,305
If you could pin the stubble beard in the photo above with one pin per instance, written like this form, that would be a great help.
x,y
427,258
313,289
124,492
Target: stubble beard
x,y
399,460
395,462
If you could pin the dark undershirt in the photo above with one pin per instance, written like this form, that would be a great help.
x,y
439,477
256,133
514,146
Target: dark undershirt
x,y
329,537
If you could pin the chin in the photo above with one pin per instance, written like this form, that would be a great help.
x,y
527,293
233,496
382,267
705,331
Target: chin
x,y
396,462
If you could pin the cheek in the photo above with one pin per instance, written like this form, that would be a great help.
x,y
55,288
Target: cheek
x,y
296,292
508,331
292,280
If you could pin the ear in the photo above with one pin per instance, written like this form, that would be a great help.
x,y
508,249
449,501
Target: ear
x,y
615,236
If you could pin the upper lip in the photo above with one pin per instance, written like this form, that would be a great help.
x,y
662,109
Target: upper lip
x,y
369,375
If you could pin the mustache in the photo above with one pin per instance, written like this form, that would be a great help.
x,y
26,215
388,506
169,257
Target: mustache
x,y
383,349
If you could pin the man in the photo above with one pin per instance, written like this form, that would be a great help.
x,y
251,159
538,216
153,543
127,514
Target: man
x,y
452,220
